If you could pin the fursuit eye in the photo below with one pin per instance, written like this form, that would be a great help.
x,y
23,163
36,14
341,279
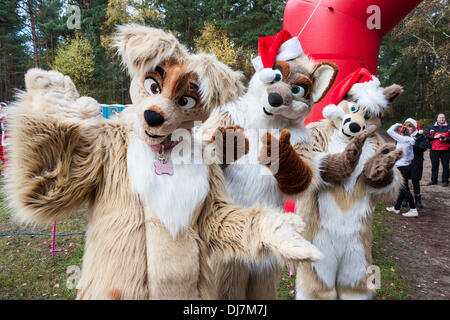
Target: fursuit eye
x,y
299,90
354,108
278,76
367,116
186,102
152,86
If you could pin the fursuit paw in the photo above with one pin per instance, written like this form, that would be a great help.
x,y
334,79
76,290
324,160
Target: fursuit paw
x,y
292,173
41,82
282,234
339,166
51,92
274,151
230,144
354,148
378,169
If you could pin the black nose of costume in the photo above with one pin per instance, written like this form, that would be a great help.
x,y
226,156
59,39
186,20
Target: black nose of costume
x,y
275,100
153,118
354,127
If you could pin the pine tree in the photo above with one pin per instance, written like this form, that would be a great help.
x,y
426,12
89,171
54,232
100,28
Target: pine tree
x,y
13,57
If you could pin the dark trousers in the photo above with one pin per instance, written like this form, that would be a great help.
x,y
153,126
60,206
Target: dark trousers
x,y
416,186
435,156
405,194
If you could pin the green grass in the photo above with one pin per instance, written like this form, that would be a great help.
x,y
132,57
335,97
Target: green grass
x,y
286,286
394,284
4,212
27,269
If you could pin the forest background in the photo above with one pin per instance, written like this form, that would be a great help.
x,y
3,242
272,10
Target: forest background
x,y
34,33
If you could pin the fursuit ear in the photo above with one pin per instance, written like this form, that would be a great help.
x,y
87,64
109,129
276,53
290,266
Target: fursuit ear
x,y
218,83
333,112
324,75
392,92
144,47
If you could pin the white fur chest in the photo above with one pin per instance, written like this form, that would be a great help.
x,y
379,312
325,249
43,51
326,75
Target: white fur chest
x,y
332,217
247,181
171,199
338,237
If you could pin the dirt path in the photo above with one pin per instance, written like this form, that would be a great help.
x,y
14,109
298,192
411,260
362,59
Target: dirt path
x,y
423,243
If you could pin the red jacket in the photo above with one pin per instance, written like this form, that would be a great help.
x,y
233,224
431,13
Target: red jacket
x,y
438,144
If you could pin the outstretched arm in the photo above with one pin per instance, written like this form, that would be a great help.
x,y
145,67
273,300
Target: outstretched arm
x,y
379,172
337,167
56,151
293,173
250,234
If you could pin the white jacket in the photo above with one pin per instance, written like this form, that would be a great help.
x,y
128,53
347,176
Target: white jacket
x,y
403,142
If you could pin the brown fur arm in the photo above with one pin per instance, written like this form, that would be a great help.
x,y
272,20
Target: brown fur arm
x,y
378,170
249,234
292,173
230,144
339,166
225,140
54,167
56,151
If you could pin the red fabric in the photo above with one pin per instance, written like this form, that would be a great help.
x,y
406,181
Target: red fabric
x,y
359,76
167,145
289,206
338,33
268,47
437,144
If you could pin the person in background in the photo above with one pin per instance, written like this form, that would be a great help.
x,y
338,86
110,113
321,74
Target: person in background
x,y
406,143
420,146
438,135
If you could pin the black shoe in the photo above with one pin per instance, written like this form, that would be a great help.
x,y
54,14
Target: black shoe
x,y
445,184
431,183
418,199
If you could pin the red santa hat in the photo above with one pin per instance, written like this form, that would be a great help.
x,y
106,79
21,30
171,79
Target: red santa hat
x,y
364,88
281,46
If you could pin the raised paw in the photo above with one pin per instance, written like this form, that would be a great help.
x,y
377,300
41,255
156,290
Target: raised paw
x,y
282,233
231,144
354,148
86,107
52,83
378,169
272,148
52,93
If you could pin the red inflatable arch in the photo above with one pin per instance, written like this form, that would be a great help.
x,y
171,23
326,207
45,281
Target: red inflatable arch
x,y
338,32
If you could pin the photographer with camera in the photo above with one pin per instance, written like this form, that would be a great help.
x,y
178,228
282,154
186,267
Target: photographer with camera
x,y
405,142
438,135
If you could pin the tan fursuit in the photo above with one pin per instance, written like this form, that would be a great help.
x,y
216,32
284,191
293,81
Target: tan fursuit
x,y
157,205
301,83
339,214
